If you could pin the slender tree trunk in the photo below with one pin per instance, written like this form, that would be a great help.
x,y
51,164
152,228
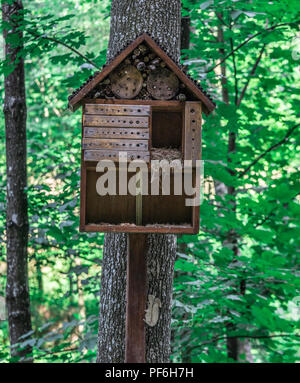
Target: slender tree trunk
x,y
185,32
235,346
129,19
182,247
231,242
17,295
39,276
81,303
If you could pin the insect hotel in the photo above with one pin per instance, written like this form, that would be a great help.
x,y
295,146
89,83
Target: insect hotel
x,y
142,103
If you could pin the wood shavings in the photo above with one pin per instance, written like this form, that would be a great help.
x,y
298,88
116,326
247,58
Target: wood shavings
x,y
169,154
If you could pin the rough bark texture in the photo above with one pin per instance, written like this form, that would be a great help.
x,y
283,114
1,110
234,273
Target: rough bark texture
x,y
17,295
129,19
111,336
182,247
160,18
160,271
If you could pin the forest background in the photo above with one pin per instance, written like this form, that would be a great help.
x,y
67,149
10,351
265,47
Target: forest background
x,y
253,293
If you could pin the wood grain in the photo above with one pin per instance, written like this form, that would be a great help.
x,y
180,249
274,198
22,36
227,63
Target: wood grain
x,y
192,134
162,229
139,199
117,110
173,105
162,84
135,339
115,121
112,132
126,82
97,155
95,143
83,172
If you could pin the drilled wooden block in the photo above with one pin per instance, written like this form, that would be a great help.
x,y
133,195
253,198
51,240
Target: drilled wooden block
x,y
118,110
192,133
115,121
94,143
97,155
126,82
162,84
112,132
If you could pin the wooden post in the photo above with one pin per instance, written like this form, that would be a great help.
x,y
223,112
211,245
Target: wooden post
x,y
136,298
139,198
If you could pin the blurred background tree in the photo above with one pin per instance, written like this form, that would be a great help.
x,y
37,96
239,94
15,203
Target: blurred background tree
x,y
236,292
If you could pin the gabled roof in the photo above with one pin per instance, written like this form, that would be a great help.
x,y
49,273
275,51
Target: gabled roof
x,y
192,85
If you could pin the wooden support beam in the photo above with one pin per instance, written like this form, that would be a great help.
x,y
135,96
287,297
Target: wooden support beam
x,y
136,298
139,198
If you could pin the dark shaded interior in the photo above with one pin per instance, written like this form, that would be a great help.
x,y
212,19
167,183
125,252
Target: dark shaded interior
x,y
166,129
107,209
166,209
116,210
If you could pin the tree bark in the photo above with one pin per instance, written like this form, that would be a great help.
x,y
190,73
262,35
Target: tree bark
x,y
129,19
17,294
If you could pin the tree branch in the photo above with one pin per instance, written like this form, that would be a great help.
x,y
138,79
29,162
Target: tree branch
x,y
66,46
235,74
53,39
250,76
243,336
272,147
270,29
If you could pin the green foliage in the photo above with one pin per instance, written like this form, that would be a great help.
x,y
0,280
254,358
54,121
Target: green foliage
x,y
64,265
252,294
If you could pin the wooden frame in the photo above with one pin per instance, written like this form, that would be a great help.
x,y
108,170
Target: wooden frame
x,y
193,228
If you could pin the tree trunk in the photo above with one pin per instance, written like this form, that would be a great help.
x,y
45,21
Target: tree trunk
x,y
235,346
129,19
232,343
17,294
182,247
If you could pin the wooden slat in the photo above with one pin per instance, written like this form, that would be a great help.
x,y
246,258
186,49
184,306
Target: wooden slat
x,y
192,133
97,155
83,173
166,105
94,143
115,121
117,110
162,229
112,132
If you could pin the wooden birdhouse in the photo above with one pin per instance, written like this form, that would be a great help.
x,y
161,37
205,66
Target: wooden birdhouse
x,y
143,104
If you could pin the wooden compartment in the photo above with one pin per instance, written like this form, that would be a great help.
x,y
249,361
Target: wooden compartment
x,y
167,210
144,104
107,210
110,129
159,214
166,129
